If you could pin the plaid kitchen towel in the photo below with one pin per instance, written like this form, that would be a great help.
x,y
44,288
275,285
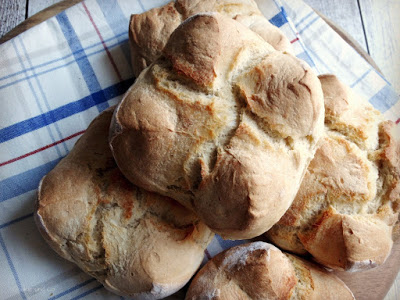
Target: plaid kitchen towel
x,y
56,77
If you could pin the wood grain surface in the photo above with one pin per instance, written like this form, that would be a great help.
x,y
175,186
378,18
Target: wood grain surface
x,y
374,27
348,17
38,17
11,14
374,24
34,6
350,40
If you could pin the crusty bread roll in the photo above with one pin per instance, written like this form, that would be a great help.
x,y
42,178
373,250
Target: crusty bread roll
x,y
136,243
261,271
348,202
150,31
222,123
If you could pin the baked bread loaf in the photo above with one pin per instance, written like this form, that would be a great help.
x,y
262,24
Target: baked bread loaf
x,y
222,123
261,271
136,243
150,31
348,202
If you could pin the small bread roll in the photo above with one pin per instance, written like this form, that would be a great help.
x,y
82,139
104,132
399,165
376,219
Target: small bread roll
x,y
150,31
261,271
136,243
222,123
348,202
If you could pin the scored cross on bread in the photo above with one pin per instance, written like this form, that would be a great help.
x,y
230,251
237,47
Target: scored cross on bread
x,y
150,31
261,271
223,123
136,243
348,202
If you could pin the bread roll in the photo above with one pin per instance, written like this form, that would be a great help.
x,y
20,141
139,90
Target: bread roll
x,y
222,123
261,271
348,202
150,31
136,243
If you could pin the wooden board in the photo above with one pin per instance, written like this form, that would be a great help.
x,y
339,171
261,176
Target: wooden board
x,y
368,285
374,284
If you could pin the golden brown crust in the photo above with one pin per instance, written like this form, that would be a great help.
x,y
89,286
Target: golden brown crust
x,y
331,175
389,157
134,242
150,31
348,202
278,98
349,114
251,271
270,33
229,8
348,242
190,59
188,128
316,283
261,271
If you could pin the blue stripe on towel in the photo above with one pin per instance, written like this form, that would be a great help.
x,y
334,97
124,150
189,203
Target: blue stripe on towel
x,y
24,182
64,111
279,19
81,59
117,21
12,267
384,99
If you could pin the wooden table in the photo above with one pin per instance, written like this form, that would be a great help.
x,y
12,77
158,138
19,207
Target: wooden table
x,y
374,24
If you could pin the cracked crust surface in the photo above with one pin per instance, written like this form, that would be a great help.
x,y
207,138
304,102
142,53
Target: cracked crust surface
x,y
136,243
150,31
222,123
348,202
261,271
